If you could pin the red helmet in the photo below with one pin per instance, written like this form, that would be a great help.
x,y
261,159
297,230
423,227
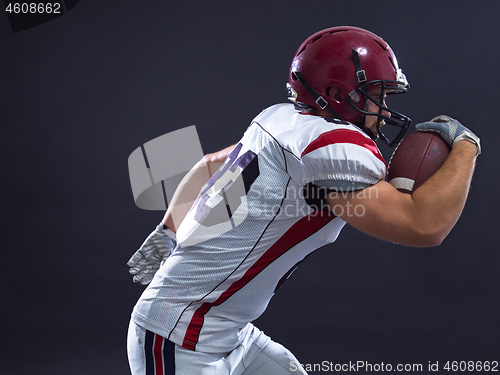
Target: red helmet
x,y
353,60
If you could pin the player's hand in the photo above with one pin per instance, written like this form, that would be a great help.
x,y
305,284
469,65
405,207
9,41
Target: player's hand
x,y
155,249
451,130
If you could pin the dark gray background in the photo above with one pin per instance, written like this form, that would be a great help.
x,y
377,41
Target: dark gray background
x,y
80,93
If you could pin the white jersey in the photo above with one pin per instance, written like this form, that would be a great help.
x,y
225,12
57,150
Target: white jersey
x,y
224,272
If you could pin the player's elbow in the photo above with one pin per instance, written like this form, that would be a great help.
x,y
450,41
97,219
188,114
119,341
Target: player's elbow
x,y
430,236
432,240
422,240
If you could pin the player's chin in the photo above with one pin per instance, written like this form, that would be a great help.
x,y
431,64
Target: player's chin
x,y
381,123
372,126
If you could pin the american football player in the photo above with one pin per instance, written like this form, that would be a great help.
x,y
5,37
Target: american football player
x,y
300,172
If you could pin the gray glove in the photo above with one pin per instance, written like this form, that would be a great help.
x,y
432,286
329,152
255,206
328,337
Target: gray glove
x,y
155,249
451,130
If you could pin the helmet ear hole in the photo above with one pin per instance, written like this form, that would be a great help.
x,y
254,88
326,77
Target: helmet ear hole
x,y
294,76
335,93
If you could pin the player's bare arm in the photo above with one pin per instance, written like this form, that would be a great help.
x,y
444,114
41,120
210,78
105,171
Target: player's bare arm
x,y
190,186
421,219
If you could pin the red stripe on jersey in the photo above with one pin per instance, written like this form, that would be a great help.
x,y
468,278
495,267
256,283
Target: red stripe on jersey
x,y
158,354
294,235
343,136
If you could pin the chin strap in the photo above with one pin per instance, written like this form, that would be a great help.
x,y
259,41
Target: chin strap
x,y
370,134
360,74
320,101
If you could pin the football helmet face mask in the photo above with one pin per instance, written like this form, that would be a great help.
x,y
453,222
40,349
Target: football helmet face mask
x,y
354,61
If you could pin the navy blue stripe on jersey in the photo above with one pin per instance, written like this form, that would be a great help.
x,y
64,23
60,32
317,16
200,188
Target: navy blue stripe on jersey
x,y
169,357
148,349
160,355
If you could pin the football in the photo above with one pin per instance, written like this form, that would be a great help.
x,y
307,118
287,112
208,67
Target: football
x,y
416,159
